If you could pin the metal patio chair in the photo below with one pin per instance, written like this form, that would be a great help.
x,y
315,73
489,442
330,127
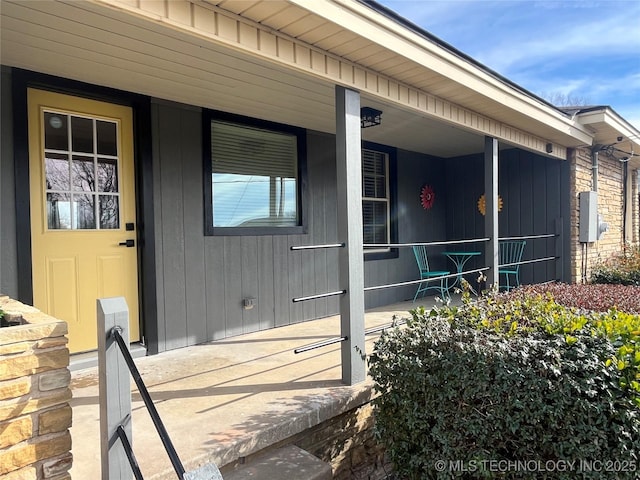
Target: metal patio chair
x,y
510,256
426,274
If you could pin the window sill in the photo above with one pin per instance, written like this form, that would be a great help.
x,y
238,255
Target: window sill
x,y
393,253
255,231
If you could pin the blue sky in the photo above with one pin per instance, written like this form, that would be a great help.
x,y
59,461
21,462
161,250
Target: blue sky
x,y
578,48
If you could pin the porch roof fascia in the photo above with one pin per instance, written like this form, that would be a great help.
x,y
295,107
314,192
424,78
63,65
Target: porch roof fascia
x,y
435,55
607,126
605,115
537,124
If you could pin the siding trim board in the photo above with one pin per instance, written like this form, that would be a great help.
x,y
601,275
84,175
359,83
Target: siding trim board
x,y
8,218
20,83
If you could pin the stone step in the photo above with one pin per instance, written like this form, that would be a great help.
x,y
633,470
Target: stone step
x,y
287,463
206,472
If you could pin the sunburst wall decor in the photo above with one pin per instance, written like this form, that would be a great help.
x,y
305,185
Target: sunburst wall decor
x,y
427,197
482,204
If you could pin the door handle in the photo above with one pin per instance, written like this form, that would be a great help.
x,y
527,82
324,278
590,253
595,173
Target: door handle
x,y
129,243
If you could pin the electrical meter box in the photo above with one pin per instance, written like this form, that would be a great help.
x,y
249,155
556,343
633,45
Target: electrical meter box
x,y
588,217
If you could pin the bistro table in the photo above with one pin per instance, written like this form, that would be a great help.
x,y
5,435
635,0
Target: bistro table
x,y
460,259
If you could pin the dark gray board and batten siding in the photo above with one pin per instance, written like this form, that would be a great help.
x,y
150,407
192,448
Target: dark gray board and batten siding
x,y
202,280
8,243
535,195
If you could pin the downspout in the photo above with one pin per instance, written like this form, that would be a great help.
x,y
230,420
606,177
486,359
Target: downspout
x,y
625,190
636,199
594,168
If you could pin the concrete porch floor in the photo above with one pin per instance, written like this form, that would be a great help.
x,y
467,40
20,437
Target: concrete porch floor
x,y
227,399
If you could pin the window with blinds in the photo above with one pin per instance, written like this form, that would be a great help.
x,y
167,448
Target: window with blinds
x,y
254,175
375,199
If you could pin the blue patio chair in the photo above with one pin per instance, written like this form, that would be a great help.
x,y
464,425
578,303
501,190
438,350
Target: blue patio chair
x,y
425,274
510,252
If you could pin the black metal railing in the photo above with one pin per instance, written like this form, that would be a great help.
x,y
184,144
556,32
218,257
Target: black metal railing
x,y
128,450
334,340
153,412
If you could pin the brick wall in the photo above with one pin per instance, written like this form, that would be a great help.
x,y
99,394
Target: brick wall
x,y
610,206
35,415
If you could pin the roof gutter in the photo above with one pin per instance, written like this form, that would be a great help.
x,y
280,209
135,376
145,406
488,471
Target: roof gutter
x,y
390,14
413,43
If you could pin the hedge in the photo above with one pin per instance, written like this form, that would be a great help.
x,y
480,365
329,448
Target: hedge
x,y
527,382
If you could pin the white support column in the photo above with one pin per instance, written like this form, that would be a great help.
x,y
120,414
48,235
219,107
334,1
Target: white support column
x,y
351,258
491,211
115,388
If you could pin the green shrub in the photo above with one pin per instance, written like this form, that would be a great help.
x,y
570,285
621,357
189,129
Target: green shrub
x,y
535,312
623,268
616,276
498,380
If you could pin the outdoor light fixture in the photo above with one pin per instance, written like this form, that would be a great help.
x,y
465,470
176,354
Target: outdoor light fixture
x,y
370,117
549,147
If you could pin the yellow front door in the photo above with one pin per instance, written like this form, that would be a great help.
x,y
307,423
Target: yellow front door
x,y
83,212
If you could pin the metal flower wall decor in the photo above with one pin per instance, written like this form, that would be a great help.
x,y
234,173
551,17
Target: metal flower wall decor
x,y
427,197
482,204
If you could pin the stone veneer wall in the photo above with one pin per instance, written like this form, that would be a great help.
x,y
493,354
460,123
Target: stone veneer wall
x,y
610,202
35,416
345,441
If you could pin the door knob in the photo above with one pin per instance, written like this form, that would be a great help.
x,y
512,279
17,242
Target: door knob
x,y
129,243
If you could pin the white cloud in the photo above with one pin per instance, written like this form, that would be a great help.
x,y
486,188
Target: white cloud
x,y
589,49
509,34
576,42
619,84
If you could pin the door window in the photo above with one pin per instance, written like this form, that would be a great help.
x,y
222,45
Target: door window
x,y
81,172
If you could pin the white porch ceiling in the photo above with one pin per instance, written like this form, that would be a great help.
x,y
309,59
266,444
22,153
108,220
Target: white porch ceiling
x,y
102,45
